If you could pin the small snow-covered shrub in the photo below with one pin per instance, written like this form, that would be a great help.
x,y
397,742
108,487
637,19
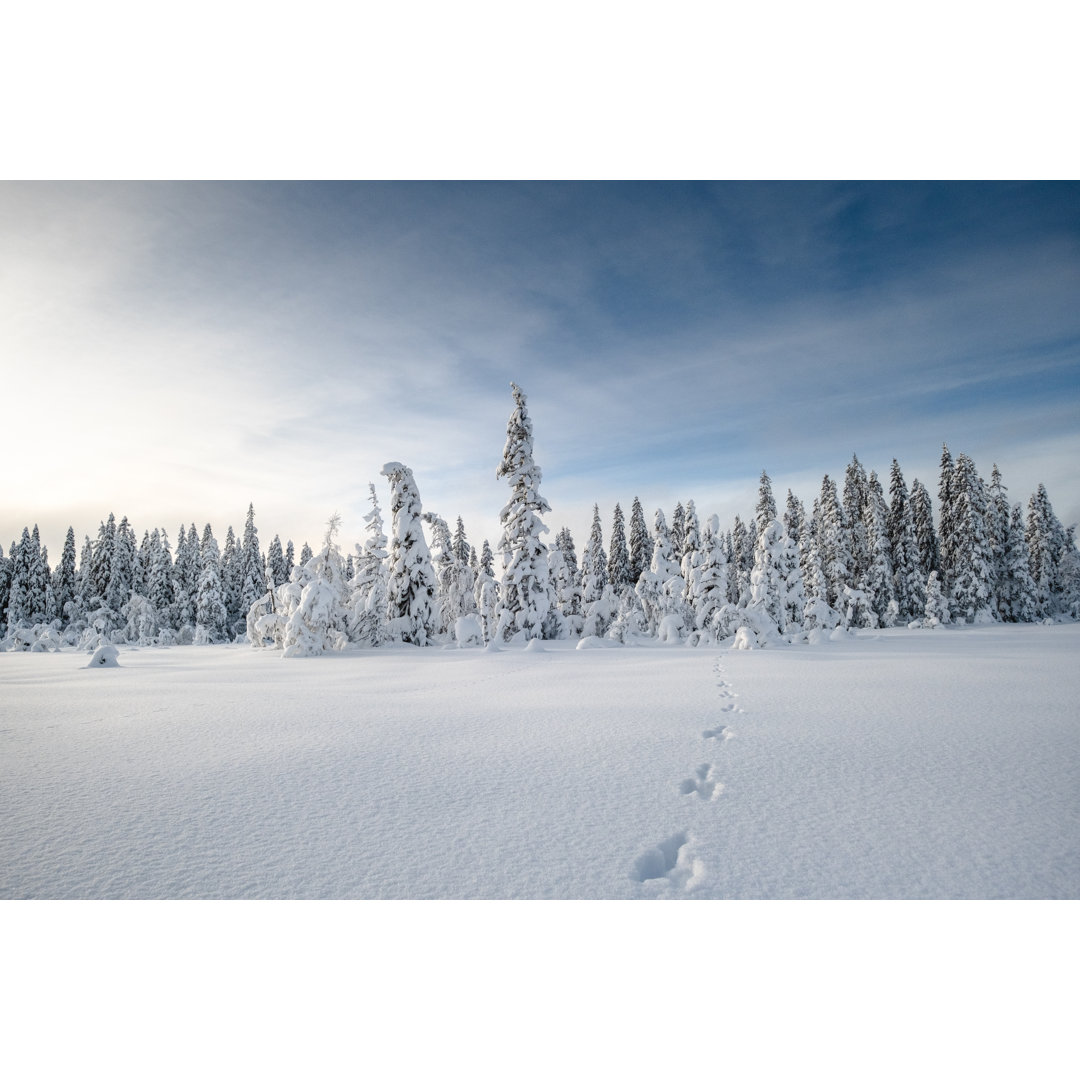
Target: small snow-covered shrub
x,y
745,638
670,629
104,656
468,632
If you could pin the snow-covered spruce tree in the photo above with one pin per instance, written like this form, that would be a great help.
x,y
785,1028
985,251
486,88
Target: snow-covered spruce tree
x,y
691,555
185,583
290,560
710,580
37,581
318,623
660,588
525,594
937,607
275,562
411,584
442,562
461,547
776,591
367,622
741,564
210,613
101,563
159,585
18,609
856,495
998,515
122,572
946,522
878,577
252,575
306,554
84,581
817,612
593,563
678,521
1047,544
973,565
486,595
794,516
566,581
640,542
908,575
765,514
5,586
922,516
618,563
1016,595
833,545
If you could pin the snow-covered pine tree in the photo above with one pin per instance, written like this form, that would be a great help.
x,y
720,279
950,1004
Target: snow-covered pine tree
x,y
210,613
856,495
946,523
19,611
442,562
411,584
275,562
973,563
998,515
37,581
368,601
318,623
1047,544
290,560
593,563
833,545
878,577
84,582
525,596
5,586
101,563
618,563
640,542
794,516
691,554
740,565
159,577
1016,590
765,514
122,571
566,581
908,575
252,576
63,584
486,594
710,581
678,523
922,517
661,587
142,563
461,546
183,610
306,554
937,607
817,613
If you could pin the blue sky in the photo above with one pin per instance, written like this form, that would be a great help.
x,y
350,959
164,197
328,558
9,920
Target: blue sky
x,y
174,351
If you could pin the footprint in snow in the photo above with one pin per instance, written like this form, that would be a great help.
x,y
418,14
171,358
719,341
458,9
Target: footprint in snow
x,y
670,862
703,783
720,732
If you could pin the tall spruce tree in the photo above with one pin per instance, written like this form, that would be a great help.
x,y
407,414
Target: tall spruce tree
x,y
640,542
411,584
972,561
618,563
525,595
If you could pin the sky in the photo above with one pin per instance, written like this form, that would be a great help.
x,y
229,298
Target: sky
x,y
176,351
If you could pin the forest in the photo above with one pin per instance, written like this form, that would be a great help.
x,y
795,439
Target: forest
x,y
856,559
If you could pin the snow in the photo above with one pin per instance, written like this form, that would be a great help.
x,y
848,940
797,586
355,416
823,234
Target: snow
x,y
894,763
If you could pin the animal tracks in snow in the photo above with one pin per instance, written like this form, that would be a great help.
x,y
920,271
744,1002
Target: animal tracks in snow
x,y
703,783
672,862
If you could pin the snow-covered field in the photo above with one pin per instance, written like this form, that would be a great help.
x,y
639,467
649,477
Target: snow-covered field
x,y
894,764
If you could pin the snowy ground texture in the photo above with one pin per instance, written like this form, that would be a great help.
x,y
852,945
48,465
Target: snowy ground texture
x,y
894,764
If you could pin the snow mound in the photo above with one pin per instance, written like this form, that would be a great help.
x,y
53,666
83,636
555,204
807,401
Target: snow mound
x,y
535,645
745,638
594,642
104,656
468,632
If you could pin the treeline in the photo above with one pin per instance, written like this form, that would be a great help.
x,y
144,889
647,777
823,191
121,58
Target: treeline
x,y
856,559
